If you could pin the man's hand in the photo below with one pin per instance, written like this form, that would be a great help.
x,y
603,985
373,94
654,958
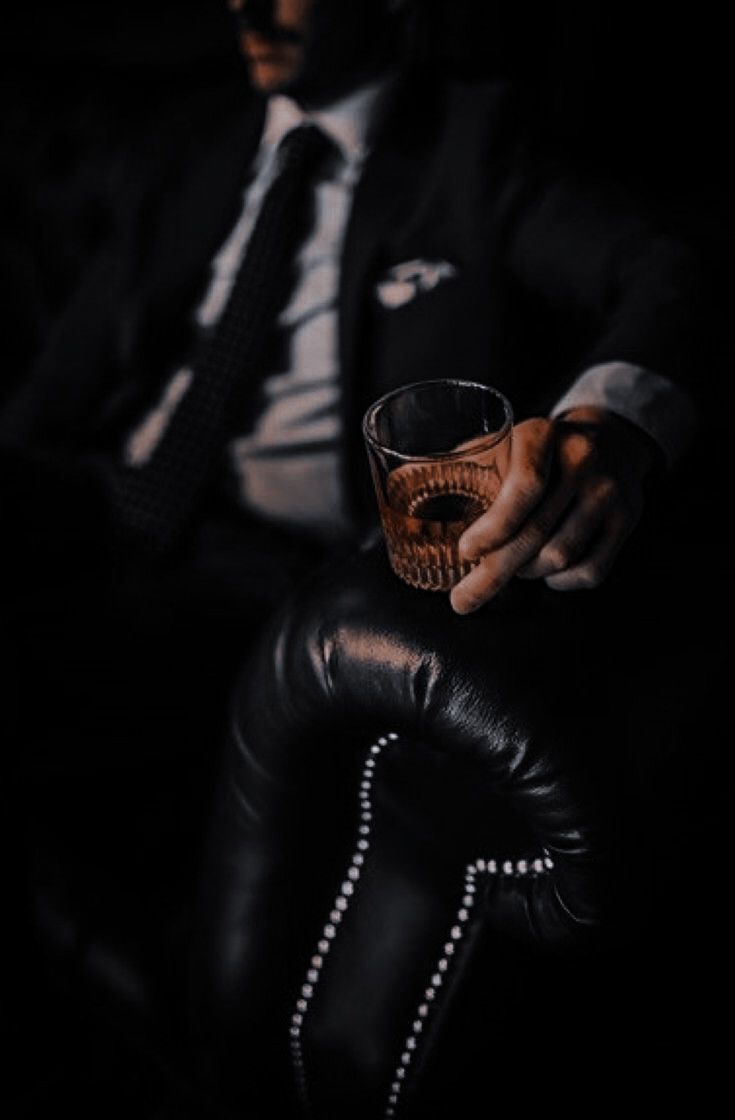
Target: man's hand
x,y
572,495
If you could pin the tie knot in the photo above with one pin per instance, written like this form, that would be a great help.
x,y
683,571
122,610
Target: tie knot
x,y
303,146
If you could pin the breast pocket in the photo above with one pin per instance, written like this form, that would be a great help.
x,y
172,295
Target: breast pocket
x,y
422,330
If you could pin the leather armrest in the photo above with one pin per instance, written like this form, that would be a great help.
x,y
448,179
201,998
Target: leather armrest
x,y
509,704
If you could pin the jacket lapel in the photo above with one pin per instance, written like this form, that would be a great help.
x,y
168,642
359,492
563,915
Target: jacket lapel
x,y
384,200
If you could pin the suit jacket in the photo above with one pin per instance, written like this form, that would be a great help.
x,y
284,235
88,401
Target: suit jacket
x,y
552,269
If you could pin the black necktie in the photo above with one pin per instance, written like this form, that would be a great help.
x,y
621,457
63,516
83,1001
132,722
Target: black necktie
x,y
156,500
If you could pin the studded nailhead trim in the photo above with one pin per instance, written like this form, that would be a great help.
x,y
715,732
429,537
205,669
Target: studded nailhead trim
x,y
339,909
507,868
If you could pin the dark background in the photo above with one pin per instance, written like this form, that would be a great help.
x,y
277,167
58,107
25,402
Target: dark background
x,y
646,94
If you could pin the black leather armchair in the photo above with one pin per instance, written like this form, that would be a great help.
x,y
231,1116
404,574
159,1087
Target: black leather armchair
x,y
451,860
454,856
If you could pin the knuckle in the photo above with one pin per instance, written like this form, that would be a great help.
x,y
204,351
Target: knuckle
x,y
578,450
557,557
533,479
606,491
536,430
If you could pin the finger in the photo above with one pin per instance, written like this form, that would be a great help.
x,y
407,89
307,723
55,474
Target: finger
x,y
496,568
523,488
570,541
594,567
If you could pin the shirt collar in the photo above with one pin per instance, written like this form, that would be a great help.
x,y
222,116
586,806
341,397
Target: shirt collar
x,y
346,121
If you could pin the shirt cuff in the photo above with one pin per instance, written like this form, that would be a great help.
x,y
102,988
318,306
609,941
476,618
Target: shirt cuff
x,y
645,398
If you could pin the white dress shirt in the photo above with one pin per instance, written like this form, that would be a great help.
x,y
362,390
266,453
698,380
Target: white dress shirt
x,y
287,467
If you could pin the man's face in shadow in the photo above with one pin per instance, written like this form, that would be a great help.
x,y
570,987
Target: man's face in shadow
x,y
316,50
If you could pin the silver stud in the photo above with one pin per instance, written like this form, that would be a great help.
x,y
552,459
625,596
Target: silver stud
x,y
302,1004
369,765
317,961
423,1010
508,867
521,866
363,845
410,1043
389,1112
353,873
358,860
295,1032
329,931
365,803
548,862
341,903
392,735
395,1086
364,830
365,785
400,1074
307,990
417,1026
297,1019
492,866
366,816
313,975
405,1058
383,741
429,994
480,864
347,887
455,932
463,915
436,980
471,871
471,887
448,949
538,865
323,946
443,964
375,749
468,900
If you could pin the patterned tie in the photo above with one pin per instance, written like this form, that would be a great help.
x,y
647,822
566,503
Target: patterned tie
x,y
155,501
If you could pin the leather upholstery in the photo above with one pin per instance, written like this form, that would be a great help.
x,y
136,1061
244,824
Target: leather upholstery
x,y
504,745
534,730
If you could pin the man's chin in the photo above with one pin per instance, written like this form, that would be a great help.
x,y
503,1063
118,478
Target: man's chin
x,y
268,76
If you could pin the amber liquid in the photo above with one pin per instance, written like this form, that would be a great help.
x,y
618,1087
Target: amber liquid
x,y
425,509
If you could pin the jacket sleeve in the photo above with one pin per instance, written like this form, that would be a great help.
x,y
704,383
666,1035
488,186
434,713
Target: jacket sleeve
x,y
589,249
77,368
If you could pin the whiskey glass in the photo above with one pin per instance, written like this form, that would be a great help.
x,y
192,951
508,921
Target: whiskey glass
x,y
439,451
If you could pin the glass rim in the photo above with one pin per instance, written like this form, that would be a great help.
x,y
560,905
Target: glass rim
x,y
429,456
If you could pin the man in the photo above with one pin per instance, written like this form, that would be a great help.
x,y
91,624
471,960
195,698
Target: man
x,y
549,287
575,488
445,241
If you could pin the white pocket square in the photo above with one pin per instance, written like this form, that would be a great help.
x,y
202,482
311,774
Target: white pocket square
x,y
403,282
